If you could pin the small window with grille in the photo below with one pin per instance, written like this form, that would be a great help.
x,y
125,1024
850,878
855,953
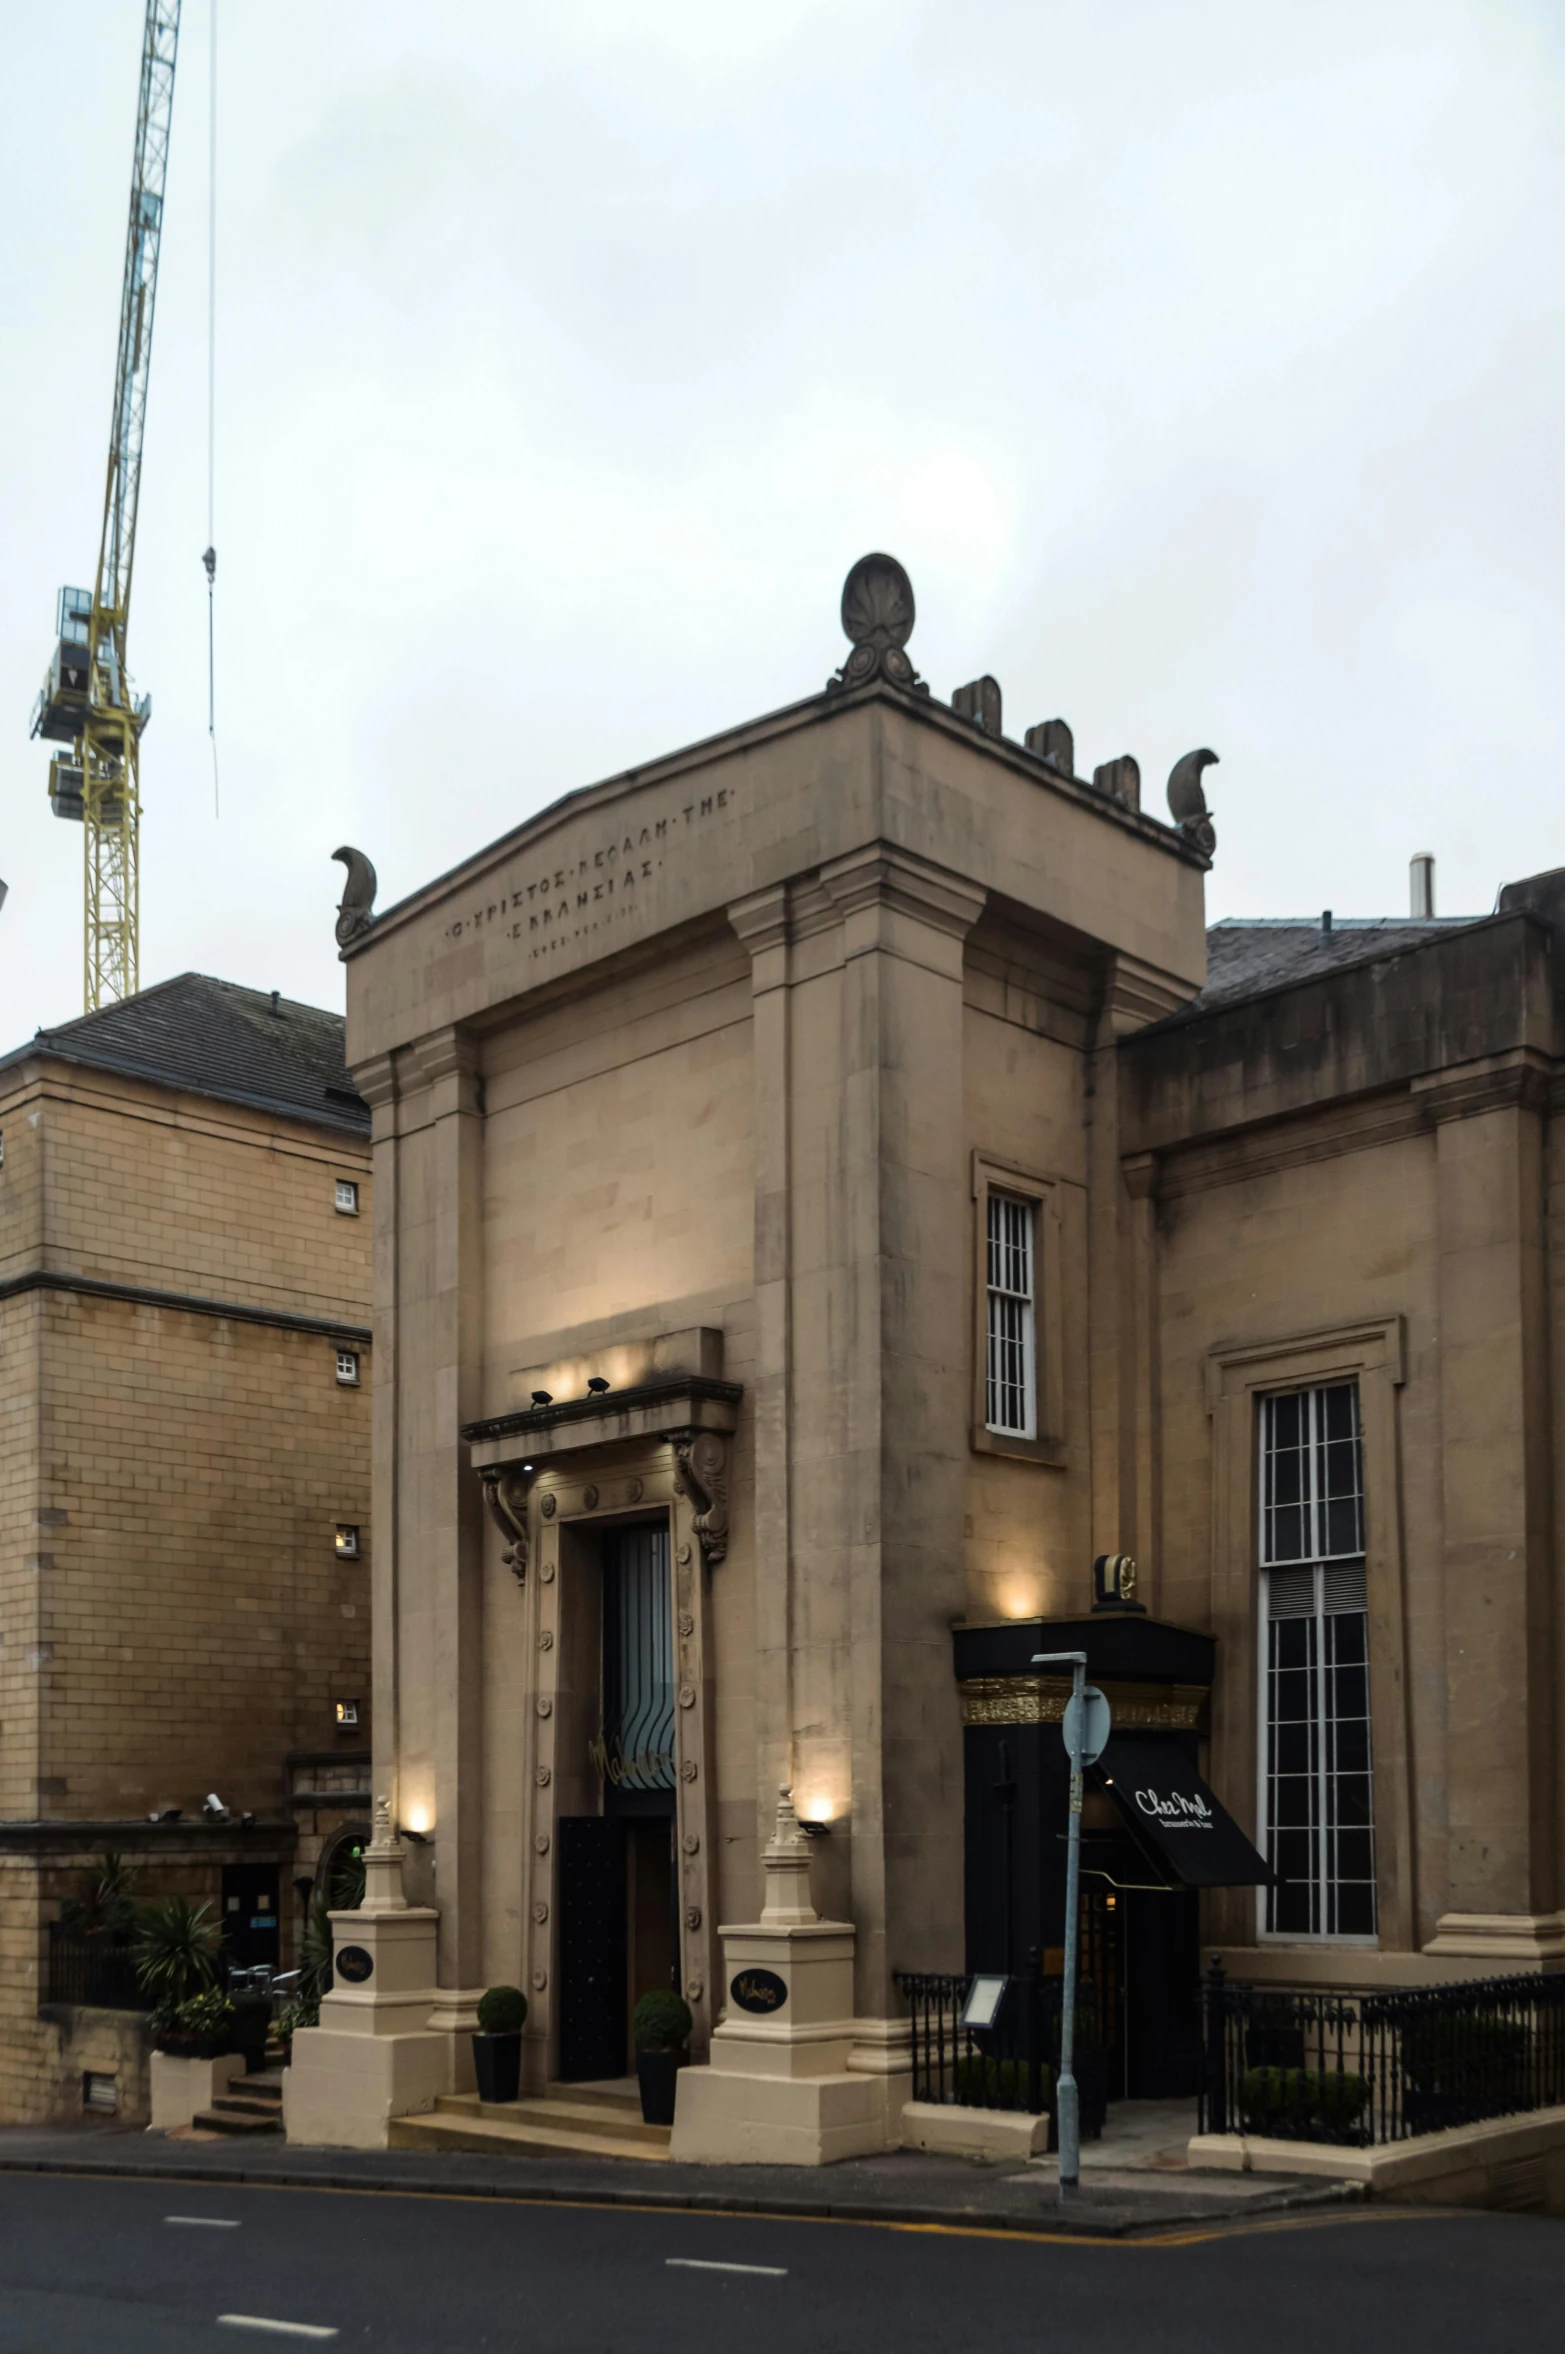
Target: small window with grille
x,y
1012,1374
347,1198
1317,1795
348,1368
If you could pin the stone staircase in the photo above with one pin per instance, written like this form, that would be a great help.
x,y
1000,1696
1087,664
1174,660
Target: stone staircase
x,y
252,2104
570,2120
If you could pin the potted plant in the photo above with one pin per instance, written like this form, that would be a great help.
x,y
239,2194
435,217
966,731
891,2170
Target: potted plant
x,y
175,1951
661,2026
497,2047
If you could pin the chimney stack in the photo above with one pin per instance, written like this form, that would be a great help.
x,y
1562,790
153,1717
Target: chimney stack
x,y
1421,881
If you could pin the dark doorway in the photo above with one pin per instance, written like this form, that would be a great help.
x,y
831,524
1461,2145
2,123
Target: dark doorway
x,y
619,1934
250,1916
592,1947
1139,1951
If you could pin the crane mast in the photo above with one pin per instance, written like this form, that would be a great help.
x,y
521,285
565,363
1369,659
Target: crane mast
x,y
88,701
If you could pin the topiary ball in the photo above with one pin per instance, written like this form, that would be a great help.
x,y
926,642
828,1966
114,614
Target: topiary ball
x,y
662,2022
502,2011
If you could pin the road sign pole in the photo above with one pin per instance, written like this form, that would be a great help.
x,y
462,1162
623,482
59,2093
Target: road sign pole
x,y
1066,2103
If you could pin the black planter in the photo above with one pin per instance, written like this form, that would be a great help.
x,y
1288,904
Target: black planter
x,y
656,2073
497,2063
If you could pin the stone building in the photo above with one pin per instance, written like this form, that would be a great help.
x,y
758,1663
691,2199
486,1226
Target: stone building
x,y
184,1489
832,1191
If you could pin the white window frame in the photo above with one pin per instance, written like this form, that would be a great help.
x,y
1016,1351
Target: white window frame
x,y
1010,1315
1328,1548
348,1369
348,1208
1040,1436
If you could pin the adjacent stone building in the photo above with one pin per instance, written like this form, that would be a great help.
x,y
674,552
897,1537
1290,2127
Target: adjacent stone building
x,y
832,1190
184,1488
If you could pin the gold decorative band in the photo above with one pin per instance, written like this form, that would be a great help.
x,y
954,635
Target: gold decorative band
x,y
1040,1700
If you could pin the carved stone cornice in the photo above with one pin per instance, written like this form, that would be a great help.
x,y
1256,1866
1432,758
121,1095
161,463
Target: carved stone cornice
x,y
881,875
1515,1082
505,1493
1136,993
1322,1132
678,1405
376,1080
761,921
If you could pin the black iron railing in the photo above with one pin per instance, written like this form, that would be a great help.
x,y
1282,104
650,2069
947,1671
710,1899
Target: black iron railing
x,y
1011,2065
94,1970
1308,2064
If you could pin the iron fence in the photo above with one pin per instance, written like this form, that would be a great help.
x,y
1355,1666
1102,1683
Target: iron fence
x,y
1011,2065
1310,2064
97,1970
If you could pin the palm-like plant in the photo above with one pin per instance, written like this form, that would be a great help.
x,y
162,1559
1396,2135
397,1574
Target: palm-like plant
x,y
176,1950
105,1902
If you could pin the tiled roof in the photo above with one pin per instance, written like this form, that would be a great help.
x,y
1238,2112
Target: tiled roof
x,y
1245,959
214,1038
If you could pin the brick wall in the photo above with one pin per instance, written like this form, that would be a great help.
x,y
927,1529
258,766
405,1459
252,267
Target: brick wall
x,y
174,1618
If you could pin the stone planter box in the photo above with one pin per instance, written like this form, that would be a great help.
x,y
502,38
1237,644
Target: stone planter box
x,y
181,2088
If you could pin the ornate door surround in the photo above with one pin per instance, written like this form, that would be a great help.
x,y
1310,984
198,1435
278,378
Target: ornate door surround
x,y
551,1476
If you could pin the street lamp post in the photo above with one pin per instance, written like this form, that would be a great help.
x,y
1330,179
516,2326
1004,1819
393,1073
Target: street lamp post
x,y
1067,2104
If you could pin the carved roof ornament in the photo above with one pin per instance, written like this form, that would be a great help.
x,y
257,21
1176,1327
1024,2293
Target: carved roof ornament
x,y
356,910
878,615
1187,801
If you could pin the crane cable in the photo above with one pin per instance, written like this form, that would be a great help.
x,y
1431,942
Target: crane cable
x,y
209,559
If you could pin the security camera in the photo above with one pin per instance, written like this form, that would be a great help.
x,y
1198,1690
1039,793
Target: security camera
x,y
213,1808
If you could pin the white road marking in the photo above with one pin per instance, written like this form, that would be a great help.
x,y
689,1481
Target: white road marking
x,y
277,2329
700,2264
207,2222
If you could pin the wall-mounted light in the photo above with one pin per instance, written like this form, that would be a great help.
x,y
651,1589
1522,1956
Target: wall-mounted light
x,y
543,1397
419,1838
597,1387
347,1713
347,1543
815,1826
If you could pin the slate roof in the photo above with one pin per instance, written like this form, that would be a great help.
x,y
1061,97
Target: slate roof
x,y
1245,958
214,1038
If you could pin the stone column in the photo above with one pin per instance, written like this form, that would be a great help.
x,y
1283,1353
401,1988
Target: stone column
x,y
1121,1261
442,1517
763,924
376,1081
897,1353
1502,1889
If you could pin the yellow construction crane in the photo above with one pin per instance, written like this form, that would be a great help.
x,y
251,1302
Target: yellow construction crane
x,y
87,700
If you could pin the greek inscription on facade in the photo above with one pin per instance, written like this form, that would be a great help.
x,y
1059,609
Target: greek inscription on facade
x,y
562,904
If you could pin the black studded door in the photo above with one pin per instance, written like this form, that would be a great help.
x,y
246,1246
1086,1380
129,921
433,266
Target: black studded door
x,y
593,1956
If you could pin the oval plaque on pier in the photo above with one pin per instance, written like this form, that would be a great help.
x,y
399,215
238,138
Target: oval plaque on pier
x,y
759,1990
354,1964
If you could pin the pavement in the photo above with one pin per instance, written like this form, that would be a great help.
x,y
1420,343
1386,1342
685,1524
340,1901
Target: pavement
x,y
1135,2181
125,2265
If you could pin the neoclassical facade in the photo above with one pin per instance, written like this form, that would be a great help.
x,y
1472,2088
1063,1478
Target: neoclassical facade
x,y
829,1191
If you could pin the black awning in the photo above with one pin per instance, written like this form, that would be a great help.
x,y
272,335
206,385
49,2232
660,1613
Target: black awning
x,y
1174,1816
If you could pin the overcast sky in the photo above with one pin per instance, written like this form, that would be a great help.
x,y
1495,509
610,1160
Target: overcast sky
x,y
1203,361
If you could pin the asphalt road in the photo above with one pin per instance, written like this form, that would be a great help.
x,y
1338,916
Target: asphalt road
x,y
101,2265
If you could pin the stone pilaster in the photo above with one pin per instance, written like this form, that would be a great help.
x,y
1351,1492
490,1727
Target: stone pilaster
x,y
897,1350
1497,1511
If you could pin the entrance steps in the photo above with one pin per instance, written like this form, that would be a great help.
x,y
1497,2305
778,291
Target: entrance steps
x,y
570,2120
252,2104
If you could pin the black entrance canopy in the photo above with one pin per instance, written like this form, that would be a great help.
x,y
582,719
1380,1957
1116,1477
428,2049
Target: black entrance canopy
x,y
1175,1818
